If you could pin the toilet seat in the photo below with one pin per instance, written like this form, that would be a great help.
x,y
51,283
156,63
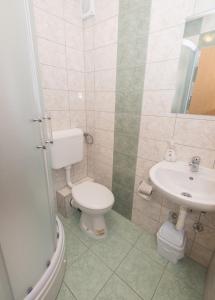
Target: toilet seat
x,y
92,195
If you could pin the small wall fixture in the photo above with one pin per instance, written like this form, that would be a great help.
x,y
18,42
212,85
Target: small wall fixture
x,y
88,8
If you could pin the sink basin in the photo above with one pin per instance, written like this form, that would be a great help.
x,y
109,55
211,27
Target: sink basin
x,y
188,189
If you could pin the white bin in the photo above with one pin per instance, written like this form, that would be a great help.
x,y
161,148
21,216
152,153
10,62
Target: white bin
x,y
171,242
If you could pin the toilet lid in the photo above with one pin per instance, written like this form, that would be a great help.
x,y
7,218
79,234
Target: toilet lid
x,y
92,195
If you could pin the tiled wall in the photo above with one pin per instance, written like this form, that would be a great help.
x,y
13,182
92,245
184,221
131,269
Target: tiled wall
x,y
70,65
100,42
59,32
193,135
157,126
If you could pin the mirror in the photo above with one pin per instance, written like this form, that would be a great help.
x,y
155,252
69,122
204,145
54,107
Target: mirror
x,y
195,86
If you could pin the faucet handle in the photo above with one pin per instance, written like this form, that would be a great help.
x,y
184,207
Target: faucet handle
x,y
196,160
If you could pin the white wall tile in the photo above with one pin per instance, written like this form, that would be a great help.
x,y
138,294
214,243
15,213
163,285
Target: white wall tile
x,y
90,120
161,75
103,155
160,128
75,59
150,209
105,80
76,81
55,99
89,61
105,9
105,101
79,170
204,5
169,13
49,27
157,102
165,44
72,12
51,53
104,138
90,100
60,120
106,57
89,38
206,238
144,222
199,133
104,120
54,7
53,78
78,119
143,167
103,174
201,254
152,149
59,179
75,101
74,36
106,32
89,81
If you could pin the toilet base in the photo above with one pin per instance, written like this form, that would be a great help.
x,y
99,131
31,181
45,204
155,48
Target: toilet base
x,y
93,225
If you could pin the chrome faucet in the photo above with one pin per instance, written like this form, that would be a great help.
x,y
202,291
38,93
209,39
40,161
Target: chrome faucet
x,y
194,164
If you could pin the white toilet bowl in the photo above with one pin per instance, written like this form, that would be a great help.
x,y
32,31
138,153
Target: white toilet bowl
x,y
94,200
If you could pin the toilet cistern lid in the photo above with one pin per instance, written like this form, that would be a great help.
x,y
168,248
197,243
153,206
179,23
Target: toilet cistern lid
x,y
92,195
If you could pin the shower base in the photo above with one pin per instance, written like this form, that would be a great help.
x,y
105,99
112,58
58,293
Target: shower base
x,y
49,285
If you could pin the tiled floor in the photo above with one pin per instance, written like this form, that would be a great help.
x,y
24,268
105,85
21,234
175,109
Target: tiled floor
x,y
124,266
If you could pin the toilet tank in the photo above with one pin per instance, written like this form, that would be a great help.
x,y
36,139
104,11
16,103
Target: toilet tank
x,y
67,148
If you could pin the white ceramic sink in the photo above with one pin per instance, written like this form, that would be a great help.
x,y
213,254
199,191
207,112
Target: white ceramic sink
x,y
188,189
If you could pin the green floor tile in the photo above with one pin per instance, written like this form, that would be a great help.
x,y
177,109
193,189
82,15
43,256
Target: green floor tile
x,y
148,244
74,247
116,289
119,224
172,288
112,249
190,272
140,273
87,240
65,294
86,276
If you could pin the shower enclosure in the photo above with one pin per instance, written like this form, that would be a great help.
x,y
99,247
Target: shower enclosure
x,y
31,238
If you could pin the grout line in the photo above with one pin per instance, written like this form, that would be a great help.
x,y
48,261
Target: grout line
x,y
97,294
131,288
101,21
50,40
69,289
62,18
166,28
164,270
174,127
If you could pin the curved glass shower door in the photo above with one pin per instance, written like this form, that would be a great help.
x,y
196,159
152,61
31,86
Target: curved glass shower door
x,y
27,225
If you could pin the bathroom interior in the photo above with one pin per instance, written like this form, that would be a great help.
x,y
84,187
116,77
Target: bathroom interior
x,y
107,172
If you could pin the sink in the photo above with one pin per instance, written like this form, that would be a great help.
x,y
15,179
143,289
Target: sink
x,y
188,189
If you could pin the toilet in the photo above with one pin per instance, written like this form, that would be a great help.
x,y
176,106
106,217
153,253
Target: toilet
x,y
93,199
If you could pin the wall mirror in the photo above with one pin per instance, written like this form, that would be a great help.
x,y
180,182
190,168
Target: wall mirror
x,y
195,87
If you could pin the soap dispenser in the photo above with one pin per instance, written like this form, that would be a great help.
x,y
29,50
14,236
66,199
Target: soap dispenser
x,y
170,153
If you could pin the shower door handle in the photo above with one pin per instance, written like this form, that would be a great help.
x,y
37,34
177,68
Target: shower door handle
x,y
41,147
49,129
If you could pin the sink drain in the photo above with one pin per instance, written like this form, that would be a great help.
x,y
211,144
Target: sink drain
x,y
186,195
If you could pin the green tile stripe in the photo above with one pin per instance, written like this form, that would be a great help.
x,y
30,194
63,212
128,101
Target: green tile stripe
x,y
134,17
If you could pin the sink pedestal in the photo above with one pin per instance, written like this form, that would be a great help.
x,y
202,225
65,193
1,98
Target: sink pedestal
x,y
181,218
